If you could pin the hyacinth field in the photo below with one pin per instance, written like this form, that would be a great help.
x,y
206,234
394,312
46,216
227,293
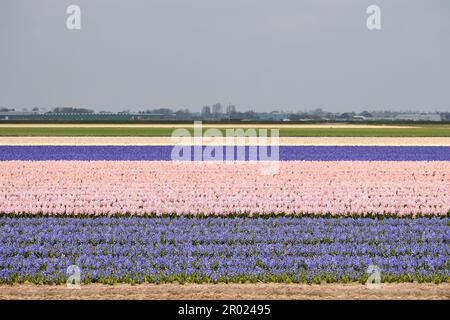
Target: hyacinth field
x,y
129,214
274,249
206,188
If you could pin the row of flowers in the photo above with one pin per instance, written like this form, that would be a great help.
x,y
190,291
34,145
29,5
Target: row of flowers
x,y
208,188
286,153
277,249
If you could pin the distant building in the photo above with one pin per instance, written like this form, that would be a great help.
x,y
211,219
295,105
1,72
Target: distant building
x,y
418,117
217,109
445,116
231,109
206,111
18,115
273,116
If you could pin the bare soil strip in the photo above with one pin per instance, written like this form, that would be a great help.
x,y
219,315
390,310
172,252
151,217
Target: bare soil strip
x,y
187,125
286,141
229,291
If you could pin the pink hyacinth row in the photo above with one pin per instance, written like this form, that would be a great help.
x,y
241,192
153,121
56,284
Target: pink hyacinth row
x,y
154,187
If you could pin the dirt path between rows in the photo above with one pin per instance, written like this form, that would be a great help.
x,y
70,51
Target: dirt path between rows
x,y
285,141
228,291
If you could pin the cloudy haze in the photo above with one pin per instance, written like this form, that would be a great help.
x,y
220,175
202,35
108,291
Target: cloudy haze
x,y
257,54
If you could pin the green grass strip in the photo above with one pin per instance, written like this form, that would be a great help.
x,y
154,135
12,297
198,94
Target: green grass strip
x,y
419,131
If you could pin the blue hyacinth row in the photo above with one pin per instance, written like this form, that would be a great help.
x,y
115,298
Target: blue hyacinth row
x,y
271,249
286,153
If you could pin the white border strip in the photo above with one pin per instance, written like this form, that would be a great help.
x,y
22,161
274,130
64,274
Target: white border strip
x,y
287,141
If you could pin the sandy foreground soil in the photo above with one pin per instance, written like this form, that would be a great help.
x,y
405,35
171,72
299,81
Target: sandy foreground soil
x,y
229,291
327,125
285,141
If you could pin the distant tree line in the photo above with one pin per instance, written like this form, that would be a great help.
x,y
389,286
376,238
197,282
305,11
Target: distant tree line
x,y
72,110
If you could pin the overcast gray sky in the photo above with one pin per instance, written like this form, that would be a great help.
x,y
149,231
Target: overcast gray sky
x,y
257,54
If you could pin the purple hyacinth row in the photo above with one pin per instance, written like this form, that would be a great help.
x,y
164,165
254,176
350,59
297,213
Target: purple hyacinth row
x,y
275,249
286,153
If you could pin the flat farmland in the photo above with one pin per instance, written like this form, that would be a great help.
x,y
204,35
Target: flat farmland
x,y
108,206
285,130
